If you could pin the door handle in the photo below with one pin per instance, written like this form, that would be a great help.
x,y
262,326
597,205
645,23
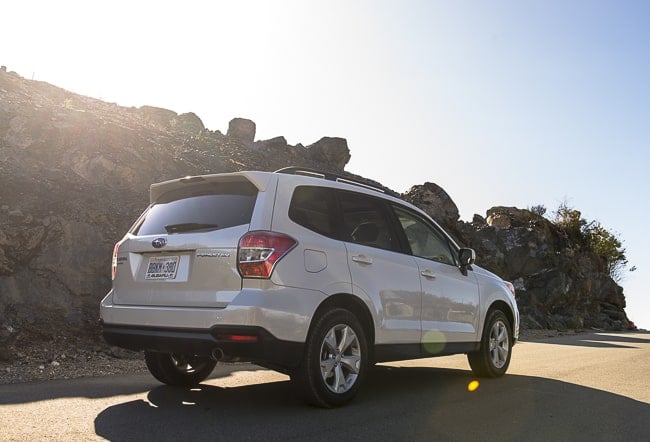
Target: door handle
x,y
429,274
362,259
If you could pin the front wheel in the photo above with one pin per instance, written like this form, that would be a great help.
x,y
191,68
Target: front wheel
x,y
493,357
335,360
179,370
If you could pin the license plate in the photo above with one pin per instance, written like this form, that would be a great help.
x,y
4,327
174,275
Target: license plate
x,y
162,267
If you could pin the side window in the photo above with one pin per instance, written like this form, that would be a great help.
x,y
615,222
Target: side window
x,y
425,240
313,207
365,221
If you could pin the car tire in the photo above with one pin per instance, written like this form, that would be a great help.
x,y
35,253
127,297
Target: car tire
x,y
335,360
179,370
493,357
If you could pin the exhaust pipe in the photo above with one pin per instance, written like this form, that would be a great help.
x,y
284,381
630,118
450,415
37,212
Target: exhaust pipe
x,y
217,354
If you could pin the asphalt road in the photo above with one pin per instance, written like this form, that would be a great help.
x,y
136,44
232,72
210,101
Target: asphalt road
x,y
586,387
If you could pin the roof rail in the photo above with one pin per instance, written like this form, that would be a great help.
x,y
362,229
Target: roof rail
x,y
305,171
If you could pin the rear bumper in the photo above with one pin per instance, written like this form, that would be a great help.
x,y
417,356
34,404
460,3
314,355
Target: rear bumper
x,y
284,312
241,343
270,325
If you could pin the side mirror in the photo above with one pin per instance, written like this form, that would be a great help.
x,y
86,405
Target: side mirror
x,y
466,257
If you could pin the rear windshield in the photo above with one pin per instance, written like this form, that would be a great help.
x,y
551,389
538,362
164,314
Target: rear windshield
x,y
201,207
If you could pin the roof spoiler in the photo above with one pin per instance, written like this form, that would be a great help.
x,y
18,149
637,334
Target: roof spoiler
x,y
259,179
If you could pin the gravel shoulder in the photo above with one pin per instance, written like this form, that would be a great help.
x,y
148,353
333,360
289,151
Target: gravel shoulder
x,y
70,358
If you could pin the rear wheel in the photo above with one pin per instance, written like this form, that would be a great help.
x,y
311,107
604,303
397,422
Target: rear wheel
x,y
335,360
493,358
179,370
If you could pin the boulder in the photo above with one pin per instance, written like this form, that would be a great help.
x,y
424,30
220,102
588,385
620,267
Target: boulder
x,y
157,115
242,130
505,217
189,123
332,151
277,144
436,203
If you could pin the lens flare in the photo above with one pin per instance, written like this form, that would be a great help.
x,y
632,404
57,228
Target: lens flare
x,y
434,342
473,386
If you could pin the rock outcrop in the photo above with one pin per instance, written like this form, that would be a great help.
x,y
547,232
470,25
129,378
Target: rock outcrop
x,y
75,173
560,283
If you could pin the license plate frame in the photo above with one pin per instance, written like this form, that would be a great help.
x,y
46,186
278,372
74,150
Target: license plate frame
x,y
162,268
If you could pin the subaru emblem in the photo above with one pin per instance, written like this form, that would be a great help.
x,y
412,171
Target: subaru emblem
x,y
159,242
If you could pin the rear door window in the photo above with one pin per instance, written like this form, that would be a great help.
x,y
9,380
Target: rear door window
x,y
366,220
343,215
202,207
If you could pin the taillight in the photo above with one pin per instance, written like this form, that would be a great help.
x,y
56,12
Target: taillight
x,y
260,250
114,261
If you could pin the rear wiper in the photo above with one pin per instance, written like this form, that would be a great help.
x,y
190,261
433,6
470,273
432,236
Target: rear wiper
x,y
189,227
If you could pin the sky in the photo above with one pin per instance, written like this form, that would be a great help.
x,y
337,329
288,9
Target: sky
x,y
501,102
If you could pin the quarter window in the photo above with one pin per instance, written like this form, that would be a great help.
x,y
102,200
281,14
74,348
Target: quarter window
x,y
312,207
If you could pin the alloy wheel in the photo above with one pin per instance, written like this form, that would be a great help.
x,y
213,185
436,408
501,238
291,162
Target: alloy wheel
x,y
499,344
340,358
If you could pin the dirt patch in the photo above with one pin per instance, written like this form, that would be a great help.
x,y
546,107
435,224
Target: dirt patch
x,y
68,358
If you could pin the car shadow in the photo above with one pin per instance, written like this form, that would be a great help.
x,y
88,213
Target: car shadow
x,y
395,403
599,340
96,387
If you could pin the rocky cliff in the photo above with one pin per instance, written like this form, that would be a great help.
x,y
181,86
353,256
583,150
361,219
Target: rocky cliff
x,y
560,283
75,173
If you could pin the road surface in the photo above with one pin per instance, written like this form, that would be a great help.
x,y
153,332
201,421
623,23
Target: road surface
x,y
584,387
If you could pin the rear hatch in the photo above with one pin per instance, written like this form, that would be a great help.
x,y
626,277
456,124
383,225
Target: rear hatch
x,y
182,252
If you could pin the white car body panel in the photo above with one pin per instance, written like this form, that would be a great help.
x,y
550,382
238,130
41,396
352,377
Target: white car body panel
x,y
409,300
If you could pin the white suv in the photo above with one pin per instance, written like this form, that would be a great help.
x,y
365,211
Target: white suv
x,y
303,272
